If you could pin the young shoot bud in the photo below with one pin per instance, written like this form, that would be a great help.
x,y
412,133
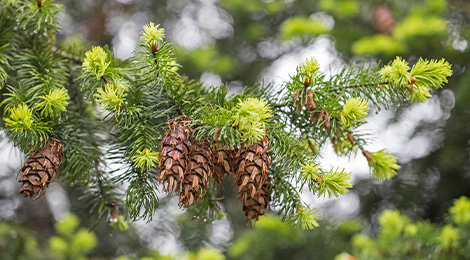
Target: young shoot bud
x,y
54,102
431,74
96,62
305,218
151,35
383,165
250,117
310,173
145,160
392,222
334,183
449,238
118,223
20,118
460,211
309,71
419,94
353,111
112,96
396,73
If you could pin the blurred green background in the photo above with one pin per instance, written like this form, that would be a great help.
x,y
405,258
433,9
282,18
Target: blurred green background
x,y
242,42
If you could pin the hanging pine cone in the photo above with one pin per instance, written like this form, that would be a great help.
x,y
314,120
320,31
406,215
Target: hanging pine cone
x,y
222,160
251,177
175,148
196,178
40,168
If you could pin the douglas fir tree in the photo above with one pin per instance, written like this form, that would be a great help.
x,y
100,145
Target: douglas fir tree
x,y
100,123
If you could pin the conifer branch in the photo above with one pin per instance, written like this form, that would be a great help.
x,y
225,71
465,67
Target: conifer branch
x,y
140,95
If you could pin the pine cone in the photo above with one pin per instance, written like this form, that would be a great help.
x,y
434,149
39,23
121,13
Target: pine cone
x,y
251,177
222,160
384,22
175,148
196,179
40,168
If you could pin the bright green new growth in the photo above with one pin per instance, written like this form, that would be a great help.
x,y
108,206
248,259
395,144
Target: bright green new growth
x,y
112,96
20,118
250,116
145,160
396,73
353,111
310,173
424,76
383,165
391,222
431,73
305,218
54,102
449,237
460,211
334,182
96,61
309,70
151,34
119,223
72,243
419,94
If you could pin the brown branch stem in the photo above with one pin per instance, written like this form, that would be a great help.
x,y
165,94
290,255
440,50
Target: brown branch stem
x,y
360,85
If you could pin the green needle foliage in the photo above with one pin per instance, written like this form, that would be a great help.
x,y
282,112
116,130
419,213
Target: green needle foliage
x,y
110,115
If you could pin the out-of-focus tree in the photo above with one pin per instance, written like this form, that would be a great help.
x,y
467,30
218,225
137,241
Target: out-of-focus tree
x,y
401,238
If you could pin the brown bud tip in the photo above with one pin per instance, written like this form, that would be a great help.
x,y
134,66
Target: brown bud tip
x,y
296,94
314,117
413,80
307,106
154,48
217,134
328,125
369,157
321,118
310,100
307,82
351,138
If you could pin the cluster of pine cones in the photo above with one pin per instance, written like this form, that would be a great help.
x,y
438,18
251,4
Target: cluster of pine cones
x,y
186,166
